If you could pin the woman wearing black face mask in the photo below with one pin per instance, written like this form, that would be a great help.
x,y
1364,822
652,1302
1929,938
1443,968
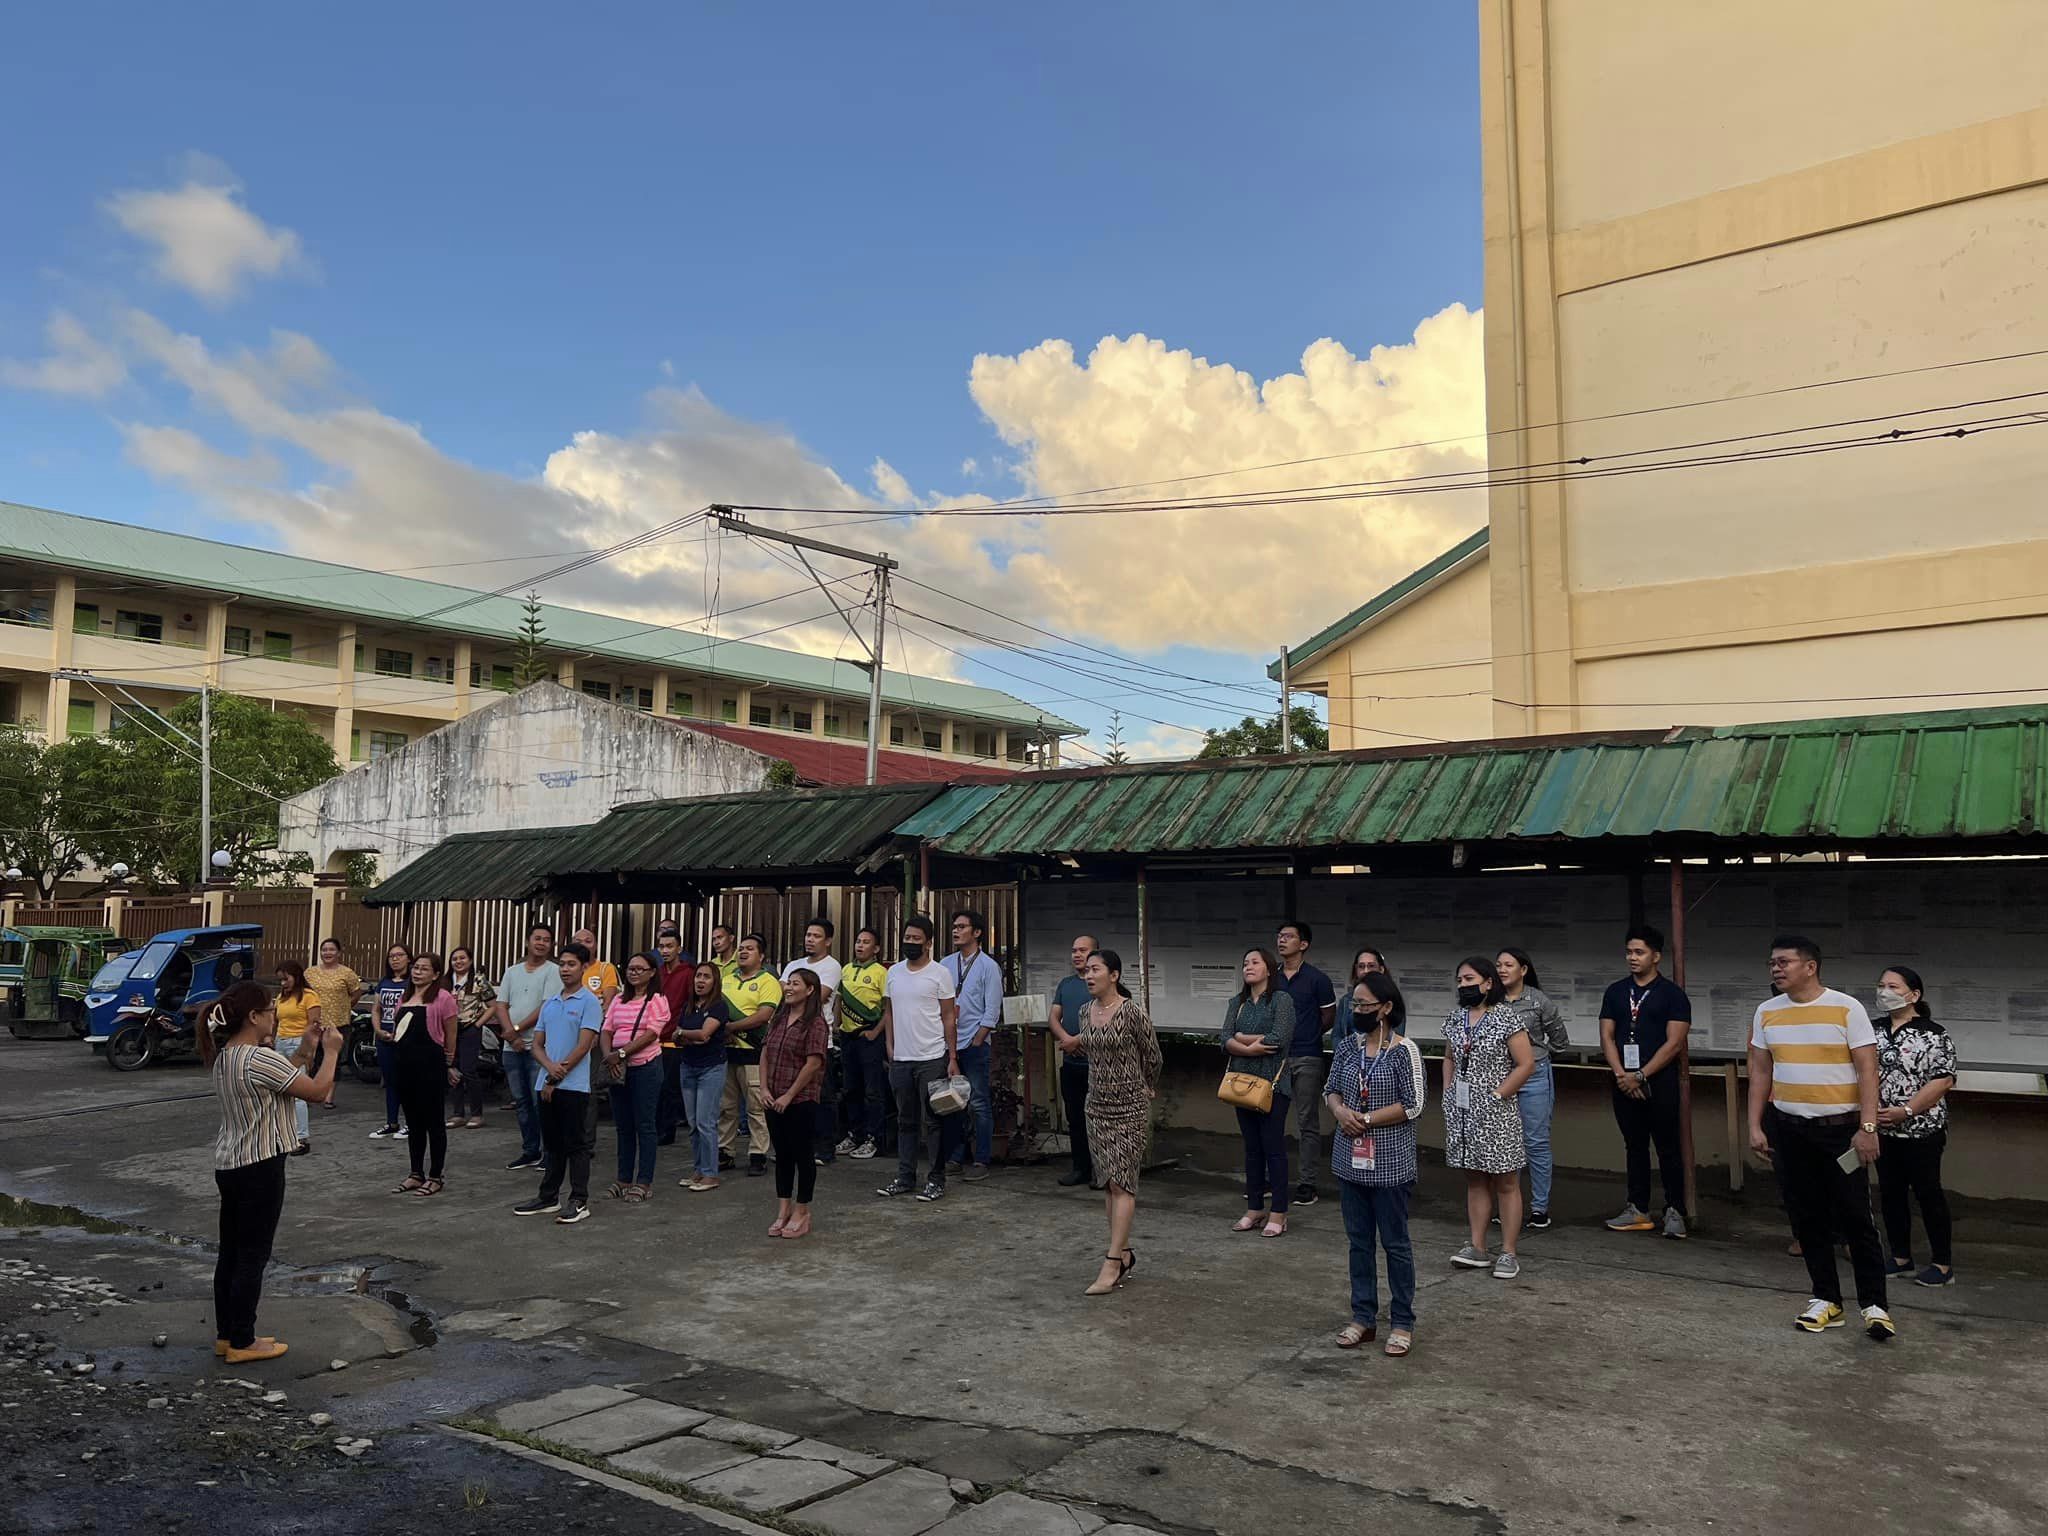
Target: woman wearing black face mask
x,y
1375,1091
1486,1060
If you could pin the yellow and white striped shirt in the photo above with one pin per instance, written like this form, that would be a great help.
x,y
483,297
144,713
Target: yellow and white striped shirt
x,y
1812,1072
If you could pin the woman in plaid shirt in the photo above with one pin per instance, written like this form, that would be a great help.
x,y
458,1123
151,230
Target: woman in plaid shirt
x,y
792,1068
1372,1088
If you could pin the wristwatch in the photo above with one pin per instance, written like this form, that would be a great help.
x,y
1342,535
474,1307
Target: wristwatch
x,y
1870,1127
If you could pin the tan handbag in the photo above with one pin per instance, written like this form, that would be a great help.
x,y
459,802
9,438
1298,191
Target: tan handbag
x,y
1247,1090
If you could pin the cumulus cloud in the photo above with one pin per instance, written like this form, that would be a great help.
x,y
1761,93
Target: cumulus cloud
x,y
78,363
890,484
206,240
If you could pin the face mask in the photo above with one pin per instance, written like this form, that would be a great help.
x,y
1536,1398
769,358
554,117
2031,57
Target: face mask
x,y
1471,997
1362,1021
913,953
1889,1000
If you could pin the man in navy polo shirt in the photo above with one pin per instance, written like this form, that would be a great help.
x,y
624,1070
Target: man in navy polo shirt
x,y
1069,1005
1315,1013
1643,1023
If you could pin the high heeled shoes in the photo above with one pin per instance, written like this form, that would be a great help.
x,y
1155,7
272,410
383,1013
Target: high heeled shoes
x,y
1125,1262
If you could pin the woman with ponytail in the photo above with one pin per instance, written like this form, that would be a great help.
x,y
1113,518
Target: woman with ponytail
x,y
257,1086
1123,1074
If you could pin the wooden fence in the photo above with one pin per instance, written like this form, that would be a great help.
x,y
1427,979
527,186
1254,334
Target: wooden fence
x,y
287,918
144,916
62,914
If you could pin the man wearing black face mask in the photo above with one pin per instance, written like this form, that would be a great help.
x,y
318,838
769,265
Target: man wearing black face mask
x,y
918,1013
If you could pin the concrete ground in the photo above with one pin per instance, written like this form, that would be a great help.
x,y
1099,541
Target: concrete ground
x,y
1620,1381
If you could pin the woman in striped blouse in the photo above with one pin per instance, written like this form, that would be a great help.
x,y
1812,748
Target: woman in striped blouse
x,y
257,1086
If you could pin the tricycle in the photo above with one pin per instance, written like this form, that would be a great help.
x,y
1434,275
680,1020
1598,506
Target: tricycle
x,y
145,1006
44,972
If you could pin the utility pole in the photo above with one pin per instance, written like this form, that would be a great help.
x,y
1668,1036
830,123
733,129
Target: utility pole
x,y
205,783
732,522
1286,707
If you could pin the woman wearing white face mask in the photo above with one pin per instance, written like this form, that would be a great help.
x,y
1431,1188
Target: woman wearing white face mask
x,y
1916,1067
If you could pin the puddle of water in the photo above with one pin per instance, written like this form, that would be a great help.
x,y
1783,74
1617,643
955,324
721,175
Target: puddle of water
x,y
363,1280
16,1212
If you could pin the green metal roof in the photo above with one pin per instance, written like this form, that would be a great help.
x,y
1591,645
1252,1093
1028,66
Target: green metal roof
x,y
1950,777
1314,646
788,832
478,866
952,809
75,543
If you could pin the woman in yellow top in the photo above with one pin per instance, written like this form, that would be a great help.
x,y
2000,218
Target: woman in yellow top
x,y
299,1014
337,988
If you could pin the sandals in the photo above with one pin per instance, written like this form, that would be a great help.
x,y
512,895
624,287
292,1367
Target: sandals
x,y
617,1191
635,1193
474,1123
1248,1221
1351,1335
412,1182
430,1187
1276,1226
1399,1342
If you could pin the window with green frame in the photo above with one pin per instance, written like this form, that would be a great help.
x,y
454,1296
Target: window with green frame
x,y
85,619
237,640
503,678
82,719
392,663
277,645
681,703
134,624
729,709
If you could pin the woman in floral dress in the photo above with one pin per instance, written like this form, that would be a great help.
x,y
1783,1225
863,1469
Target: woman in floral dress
x,y
1123,1073
1487,1058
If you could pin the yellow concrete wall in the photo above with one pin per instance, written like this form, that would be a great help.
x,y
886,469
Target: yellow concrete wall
x,y
1714,208
1419,673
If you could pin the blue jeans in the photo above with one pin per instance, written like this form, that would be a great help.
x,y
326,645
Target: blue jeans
x,y
974,1066
1536,1101
703,1088
633,1105
521,1075
1379,1210
387,1070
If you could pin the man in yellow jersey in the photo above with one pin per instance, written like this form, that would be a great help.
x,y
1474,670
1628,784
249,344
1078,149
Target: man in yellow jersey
x,y
865,1058
1813,1112
600,976
724,949
752,994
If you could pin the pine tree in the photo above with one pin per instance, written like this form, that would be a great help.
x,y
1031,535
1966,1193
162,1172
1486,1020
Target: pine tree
x,y
529,663
1115,756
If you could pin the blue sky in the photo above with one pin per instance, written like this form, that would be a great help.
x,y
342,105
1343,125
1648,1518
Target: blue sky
x,y
514,223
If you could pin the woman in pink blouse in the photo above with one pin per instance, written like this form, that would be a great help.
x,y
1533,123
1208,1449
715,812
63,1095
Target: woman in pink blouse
x,y
633,1028
423,1051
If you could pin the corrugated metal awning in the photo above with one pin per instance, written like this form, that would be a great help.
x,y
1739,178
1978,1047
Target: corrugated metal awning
x,y
478,866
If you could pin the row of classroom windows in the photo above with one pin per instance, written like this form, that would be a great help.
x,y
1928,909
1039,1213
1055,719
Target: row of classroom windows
x,y
82,719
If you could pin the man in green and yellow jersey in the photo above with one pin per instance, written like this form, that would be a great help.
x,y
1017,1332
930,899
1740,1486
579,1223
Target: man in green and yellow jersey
x,y
861,1049
752,994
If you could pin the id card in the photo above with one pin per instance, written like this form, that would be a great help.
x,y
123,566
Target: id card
x,y
1362,1153
1632,1057
1849,1162
1464,1092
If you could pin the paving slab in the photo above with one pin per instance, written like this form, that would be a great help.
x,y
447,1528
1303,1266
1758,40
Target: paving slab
x,y
853,1461
557,1406
738,1432
681,1458
1126,1530
768,1484
623,1426
1017,1514
907,1502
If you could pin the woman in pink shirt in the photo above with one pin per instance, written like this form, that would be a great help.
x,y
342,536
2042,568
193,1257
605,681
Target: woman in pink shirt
x,y
633,1027
423,1052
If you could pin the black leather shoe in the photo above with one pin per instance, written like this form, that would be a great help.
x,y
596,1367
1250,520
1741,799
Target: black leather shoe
x,y
1070,1180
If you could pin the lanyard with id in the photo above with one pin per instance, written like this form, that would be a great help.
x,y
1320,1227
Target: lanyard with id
x,y
1632,1053
1461,1062
1362,1152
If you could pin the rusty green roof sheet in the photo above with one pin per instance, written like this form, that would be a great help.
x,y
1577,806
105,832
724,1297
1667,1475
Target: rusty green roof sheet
x,y
478,866
768,832
1954,776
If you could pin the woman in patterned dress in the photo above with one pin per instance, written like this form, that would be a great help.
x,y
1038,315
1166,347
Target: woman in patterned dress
x,y
1487,1058
1123,1072
1916,1067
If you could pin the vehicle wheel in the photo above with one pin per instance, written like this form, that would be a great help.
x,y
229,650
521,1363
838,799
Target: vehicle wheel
x,y
79,1024
359,1055
130,1048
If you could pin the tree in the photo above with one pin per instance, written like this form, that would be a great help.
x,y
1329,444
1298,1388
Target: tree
x,y
37,785
529,661
1256,737
1116,755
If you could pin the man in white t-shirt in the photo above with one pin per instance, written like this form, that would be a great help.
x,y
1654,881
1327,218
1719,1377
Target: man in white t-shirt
x,y
526,984
1813,1108
918,1012
817,959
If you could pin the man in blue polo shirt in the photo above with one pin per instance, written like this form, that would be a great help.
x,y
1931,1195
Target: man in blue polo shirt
x,y
978,991
1069,1003
1315,1014
564,1038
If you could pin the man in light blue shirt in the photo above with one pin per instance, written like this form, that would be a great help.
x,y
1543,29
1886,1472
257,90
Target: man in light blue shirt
x,y
564,1037
978,993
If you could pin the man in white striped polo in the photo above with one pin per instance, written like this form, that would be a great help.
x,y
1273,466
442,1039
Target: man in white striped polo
x,y
1813,1110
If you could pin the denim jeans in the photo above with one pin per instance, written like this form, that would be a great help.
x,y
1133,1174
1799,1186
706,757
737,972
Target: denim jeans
x,y
1265,1155
911,1082
387,1071
521,1074
1536,1101
633,1105
702,1088
1379,1210
861,1108
979,1120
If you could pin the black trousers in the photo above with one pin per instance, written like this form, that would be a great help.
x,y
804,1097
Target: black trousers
x,y
1074,1099
863,1110
466,1098
668,1109
568,1136
1827,1204
251,1201
1653,1118
915,1122
796,1170
1909,1169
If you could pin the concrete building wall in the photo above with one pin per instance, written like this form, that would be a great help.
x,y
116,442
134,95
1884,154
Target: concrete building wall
x,y
1419,672
1708,223
543,757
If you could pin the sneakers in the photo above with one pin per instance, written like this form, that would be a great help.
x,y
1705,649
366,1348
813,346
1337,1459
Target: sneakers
x,y
725,1162
1506,1267
521,1162
1879,1325
1895,1267
756,1166
538,1206
896,1187
1469,1257
1073,1177
1539,1221
862,1151
976,1173
1630,1220
845,1147
572,1213
932,1191
1820,1315
1674,1222
1935,1275
1304,1194
385,1133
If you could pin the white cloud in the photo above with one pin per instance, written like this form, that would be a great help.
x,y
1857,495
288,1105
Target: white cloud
x,y
78,363
206,241
890,485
